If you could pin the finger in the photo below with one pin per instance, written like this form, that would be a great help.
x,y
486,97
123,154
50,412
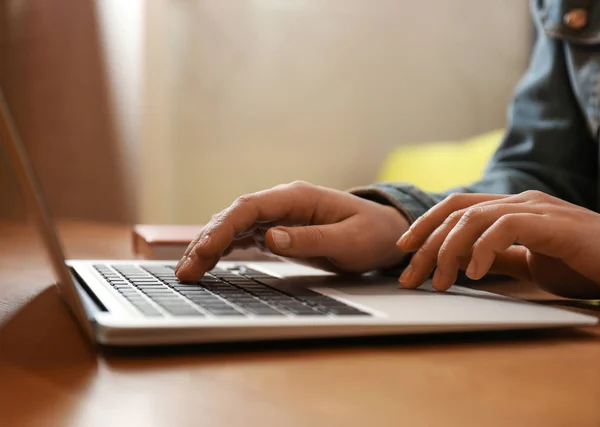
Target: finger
x,y
531,230
432,219
292,202
460,240
307,241
446,261
192,245
424,260
187,251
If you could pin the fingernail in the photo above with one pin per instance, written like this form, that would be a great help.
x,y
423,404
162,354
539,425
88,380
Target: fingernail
x,y
181,261
406,275
186,264
472,269
405,239
281,239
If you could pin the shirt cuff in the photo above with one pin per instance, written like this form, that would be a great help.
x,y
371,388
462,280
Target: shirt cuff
x,y
411,201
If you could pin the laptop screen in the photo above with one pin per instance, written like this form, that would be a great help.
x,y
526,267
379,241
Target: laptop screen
x,y
38,209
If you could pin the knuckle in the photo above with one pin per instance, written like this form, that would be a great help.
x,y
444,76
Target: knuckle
x,y
243,200
454,217
454,199
299,184
533,195
507,221
471,214
216,222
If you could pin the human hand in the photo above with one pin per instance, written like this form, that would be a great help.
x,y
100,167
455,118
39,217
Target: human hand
x,y
560,242
318,226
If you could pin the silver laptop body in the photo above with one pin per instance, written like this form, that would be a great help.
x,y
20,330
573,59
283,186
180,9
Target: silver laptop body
x,y
131,303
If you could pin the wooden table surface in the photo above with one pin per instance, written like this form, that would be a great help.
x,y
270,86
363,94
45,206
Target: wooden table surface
x,y
51,376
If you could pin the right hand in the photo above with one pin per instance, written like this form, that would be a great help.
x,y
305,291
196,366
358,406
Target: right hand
x,y
318,226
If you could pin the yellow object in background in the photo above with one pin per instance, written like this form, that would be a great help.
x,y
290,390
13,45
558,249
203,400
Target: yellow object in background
x,y
437,166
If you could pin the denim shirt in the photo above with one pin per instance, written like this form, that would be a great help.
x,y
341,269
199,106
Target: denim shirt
x,y
551,142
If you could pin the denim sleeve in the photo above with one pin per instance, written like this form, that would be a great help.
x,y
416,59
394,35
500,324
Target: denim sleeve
x,y
548,145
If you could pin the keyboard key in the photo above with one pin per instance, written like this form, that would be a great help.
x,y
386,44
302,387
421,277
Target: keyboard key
x,y
227,313
158,294
213,306
167,299
170,275
195,292
239,281
223,310
158,270
154,288
183,286
179,308
264,310
136,297
186,289
129,292
303,311
202,297
171,302
153,285
184,312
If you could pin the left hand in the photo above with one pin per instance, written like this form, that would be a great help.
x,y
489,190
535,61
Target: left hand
x,y
559,242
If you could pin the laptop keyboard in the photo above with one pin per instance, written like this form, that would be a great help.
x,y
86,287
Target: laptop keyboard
x,y
155,291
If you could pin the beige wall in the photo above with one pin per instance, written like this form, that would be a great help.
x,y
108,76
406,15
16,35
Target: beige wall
x,y
167,110
240,95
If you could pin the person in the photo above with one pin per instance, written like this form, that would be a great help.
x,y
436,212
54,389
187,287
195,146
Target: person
x,y
532,216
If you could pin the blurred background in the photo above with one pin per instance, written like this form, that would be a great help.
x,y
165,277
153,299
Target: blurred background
x,y
164,111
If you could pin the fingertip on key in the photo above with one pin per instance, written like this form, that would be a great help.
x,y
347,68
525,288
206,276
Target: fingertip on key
x,y
180,263
184,272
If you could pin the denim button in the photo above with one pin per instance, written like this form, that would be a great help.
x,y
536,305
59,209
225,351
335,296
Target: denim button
x,y
576,19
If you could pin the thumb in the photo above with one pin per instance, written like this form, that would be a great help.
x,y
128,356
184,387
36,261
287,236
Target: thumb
x,y
304,241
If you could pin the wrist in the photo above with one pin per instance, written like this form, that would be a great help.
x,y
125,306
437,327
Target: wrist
x,y
398,225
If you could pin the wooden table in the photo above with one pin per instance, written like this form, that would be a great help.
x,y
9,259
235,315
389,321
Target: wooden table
x,y
51,376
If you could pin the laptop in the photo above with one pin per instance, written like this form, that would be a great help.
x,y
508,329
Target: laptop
x,y
141,303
